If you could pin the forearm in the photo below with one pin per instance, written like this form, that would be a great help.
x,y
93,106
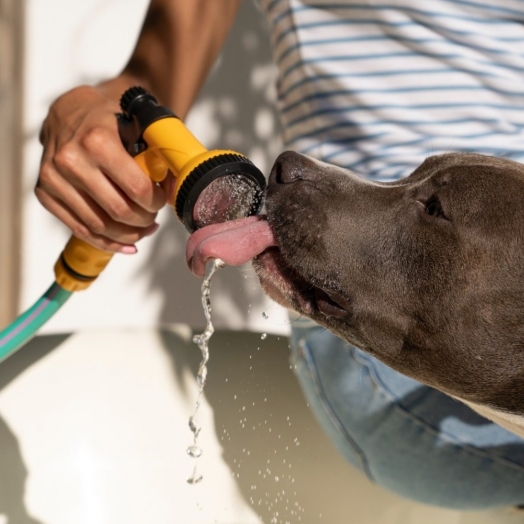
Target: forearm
x,y
177,46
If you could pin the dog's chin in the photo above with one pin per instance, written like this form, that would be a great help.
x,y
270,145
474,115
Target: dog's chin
x,y
285,285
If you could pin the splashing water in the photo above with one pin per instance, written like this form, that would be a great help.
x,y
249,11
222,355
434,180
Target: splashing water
x,y
202,341
226,198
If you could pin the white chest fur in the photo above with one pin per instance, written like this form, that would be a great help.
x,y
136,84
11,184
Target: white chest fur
x,y
513,423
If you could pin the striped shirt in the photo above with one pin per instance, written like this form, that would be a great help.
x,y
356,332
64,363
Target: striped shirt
x,y
376,86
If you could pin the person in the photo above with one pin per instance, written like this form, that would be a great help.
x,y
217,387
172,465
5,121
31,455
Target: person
x,y
371,87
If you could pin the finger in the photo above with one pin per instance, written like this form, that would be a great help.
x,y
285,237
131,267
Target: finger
x,y
69,163
79,229
136,185
94,217
104,147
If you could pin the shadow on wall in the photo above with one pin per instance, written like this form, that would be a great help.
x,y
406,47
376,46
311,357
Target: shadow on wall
x,y
234,111
13,473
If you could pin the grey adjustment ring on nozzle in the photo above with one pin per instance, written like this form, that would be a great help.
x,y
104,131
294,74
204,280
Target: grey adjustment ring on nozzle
x,y
207,172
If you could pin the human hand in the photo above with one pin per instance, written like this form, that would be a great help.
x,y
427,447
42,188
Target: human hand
x,y
88,180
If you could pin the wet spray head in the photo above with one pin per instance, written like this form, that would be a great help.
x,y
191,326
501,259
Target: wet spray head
x,y
224,188
210,186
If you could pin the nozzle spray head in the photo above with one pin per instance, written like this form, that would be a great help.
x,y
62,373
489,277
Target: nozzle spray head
x,y
224,187
211,186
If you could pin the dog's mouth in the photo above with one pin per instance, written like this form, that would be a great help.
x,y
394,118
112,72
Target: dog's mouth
x,y
236,242
285,284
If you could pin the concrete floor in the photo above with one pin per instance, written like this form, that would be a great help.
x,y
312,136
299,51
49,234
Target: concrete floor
x,y
93,429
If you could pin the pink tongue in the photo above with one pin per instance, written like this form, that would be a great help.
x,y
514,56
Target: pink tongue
x,y
235,242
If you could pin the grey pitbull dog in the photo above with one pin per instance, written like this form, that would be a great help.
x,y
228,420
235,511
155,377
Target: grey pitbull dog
x,y
426,274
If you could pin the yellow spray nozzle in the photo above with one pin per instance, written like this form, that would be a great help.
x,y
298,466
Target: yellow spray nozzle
x,y
160,142
165,144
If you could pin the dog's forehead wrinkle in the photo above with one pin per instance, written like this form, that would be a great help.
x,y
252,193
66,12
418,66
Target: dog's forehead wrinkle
x,y
334,170
441,165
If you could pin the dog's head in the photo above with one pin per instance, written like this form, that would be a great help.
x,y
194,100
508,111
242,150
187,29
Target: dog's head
x,y
426,273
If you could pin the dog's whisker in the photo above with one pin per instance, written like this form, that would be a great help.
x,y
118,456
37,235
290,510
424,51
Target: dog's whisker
x,y
449,149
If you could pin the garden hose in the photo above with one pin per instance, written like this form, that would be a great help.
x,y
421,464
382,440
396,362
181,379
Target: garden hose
x,y
210,187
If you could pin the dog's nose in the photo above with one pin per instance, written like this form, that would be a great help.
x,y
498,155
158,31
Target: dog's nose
x,y
287,169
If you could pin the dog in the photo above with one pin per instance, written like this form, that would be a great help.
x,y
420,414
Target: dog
x,y
425,273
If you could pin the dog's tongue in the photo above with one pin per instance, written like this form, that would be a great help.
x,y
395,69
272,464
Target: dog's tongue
x,y
235,242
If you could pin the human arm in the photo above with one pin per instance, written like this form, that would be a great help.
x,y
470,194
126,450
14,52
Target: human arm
x,y
86,177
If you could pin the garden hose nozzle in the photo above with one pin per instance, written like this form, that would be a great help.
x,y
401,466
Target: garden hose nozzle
x,y
210,186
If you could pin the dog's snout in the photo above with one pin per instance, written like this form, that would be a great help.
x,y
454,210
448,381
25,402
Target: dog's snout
x,y
287,169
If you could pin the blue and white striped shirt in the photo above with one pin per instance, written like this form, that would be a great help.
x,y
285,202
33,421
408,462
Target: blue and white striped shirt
x,y
378,85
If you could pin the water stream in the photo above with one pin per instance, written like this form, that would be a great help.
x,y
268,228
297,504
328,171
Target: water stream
x,y
202,341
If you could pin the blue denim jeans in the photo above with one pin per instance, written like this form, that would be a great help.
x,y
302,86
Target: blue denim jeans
x,y
407,437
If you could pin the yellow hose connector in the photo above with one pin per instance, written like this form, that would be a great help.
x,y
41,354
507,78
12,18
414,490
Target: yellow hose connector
x,y
79,265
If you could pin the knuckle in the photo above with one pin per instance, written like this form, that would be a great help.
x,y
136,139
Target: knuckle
x,y
120,212
66,157
45,176
41,195
80,231
43,134
95,139
138,189
39,192
96,226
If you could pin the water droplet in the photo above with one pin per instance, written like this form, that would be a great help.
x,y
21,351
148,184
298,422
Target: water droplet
x,y
194,426
226,198
263,336
202,376
194,451
195,479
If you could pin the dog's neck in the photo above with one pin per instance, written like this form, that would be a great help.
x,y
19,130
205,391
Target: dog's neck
x,y
509,421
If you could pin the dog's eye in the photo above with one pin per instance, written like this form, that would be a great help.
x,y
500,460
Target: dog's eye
x,y
434,208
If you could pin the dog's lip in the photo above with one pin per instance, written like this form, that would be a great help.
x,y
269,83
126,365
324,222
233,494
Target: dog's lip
x,y
285,284
284,280
331,303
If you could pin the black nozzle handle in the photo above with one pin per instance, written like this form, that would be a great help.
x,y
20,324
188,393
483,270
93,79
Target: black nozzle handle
x,y
139,110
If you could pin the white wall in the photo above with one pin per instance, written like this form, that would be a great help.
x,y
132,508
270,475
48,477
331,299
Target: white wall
x,y
69,43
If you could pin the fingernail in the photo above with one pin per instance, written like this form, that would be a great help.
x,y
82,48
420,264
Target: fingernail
x,y
128,250
152,229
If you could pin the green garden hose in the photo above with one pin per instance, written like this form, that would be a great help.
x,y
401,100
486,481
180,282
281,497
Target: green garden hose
x,y
27,324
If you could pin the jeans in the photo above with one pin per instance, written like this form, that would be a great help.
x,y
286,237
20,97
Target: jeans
x,y
407,437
